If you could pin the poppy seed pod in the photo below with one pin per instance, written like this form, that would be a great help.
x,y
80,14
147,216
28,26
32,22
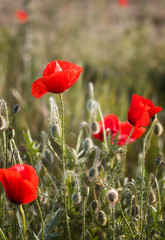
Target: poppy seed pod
x,y
112,196
158,129
87,144
2,122
54,130
101,218
95,205
76,197
92,173
94,127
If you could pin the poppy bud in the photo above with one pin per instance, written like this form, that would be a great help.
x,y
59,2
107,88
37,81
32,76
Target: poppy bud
x,y
158,160
16,108
101,218
158,129
87,144
85,191
92,173
152,197
91,89
95,127
91,105
54,130
11,133
95,205
48,155
76,197
112,196
2,122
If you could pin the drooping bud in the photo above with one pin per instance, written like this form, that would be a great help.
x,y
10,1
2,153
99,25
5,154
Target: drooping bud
x,y
91,106
158,129
95,127
87,144
101,218
2,122
11,133
54,130
158,160
93,172
112,196
48,155
85,191
76,197
95,205
16,108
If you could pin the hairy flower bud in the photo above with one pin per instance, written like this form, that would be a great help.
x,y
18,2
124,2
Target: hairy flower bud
x,y
91,106
76,197
101,218
112,196
85,191
2,122
92,173
11,133
95,127
16,108
95,205
48,155
54,130
87,144
158,129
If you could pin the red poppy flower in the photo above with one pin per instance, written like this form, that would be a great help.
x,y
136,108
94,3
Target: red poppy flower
x,y
114,125
123,2
111,123
22,16
57,77
125,129
20,183
141,110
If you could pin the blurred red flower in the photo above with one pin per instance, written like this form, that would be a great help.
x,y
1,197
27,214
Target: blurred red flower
x,y
20,183
113,125
21,16
141,110
57,77
123,2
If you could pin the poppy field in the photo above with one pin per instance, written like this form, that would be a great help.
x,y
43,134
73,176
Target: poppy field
x,y
81,121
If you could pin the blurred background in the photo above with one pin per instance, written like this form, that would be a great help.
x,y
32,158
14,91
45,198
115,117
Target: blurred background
x,y
121,48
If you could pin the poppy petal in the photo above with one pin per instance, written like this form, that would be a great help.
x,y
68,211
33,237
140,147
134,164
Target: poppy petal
x,y
38,88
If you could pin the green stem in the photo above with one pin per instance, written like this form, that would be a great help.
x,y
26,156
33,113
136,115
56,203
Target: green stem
x,y
104,132
113,222
147,197
42,222
143,171
64,168
84,206
7,133
2,234
125,219
125,151
24,220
